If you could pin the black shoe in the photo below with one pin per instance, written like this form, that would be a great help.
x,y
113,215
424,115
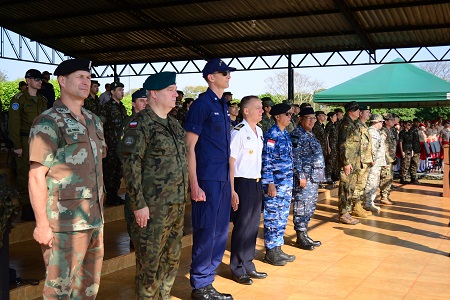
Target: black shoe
x,y
272,257
302,242
28,213
209,292
257,275
285,256
242,279
314,243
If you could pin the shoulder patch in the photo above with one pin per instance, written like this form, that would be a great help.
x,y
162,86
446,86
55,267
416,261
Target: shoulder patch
x,y
238,127
15,106
133,124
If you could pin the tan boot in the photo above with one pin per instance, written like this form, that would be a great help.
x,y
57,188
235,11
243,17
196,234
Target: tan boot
x,y
385,201
347,219
359,211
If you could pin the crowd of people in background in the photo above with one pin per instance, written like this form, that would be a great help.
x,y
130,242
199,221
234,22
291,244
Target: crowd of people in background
x,y
235,158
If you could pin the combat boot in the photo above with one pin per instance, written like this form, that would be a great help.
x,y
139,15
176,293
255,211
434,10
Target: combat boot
x,y
414,180
285,256
273,257
358,211
373,208
403,180
302,242
347,219
314,243
385,201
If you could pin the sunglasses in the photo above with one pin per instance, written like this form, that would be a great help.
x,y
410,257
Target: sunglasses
x,y
37,79
224,73
288,114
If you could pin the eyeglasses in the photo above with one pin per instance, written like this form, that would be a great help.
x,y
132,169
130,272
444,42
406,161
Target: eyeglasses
x,y
310,118
37,79
224,73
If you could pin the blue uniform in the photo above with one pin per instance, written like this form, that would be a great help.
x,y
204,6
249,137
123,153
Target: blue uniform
x,y
277,168
208,118
309,164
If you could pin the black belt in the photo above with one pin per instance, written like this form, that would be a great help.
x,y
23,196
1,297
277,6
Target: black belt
x,y
24,133
248,179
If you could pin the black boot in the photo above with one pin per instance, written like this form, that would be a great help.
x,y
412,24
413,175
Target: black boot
x,y
302,242
273,257
285,256
314,243
403,180
414,180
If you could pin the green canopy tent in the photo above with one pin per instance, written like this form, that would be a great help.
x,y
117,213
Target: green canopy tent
x,y
393,85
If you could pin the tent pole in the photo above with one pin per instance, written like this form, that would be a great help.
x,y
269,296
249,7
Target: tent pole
x,y
291,79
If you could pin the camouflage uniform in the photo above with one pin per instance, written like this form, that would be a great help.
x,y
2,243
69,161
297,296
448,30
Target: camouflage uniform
x,y
379,159
72,150
411,147
309,164
23,110
365,162
349,154
266,123
387,173
277,168
319,133
92,104
112,115
416,156
332,159
155,170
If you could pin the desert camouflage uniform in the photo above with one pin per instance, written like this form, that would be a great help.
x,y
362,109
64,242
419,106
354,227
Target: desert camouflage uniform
x,y
266,123
379,159
112,114
155,171
72,150
92,104
349,154
23,109
332,159
366,161
387,173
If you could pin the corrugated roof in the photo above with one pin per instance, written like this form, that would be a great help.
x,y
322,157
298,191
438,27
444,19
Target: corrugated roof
x,y
133,31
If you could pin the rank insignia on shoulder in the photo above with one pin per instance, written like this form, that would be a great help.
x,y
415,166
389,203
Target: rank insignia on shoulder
x,y
133,124
238,127
270,143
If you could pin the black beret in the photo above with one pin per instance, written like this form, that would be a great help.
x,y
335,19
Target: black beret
x,y
115,85
306,111
331,113
319,112
159,81
95,82
33,73
227,94
351,106
279,109
141,93
304,105
336,110
72,65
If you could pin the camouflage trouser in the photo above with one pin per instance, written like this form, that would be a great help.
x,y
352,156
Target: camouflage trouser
x,y
276,213
112,172
373,182
360,183
305,200
386,177
74,264
158,250
346,189
128,213
410,162
23,167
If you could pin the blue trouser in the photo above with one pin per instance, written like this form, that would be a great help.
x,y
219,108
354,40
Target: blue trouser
x,y
276,213
210,221
305,200
246,224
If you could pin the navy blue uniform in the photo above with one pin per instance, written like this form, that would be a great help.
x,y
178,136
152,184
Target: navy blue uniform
x,y
208,118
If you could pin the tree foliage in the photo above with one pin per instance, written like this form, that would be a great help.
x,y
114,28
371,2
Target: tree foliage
x,y
191,91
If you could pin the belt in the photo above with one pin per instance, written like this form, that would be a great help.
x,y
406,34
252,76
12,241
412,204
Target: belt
x,y
24,133
249,179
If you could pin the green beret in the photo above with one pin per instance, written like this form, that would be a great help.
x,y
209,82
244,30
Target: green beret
x,y
159,81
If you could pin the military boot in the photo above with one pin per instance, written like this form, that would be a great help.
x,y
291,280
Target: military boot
x,y
359,211
302,241
314,243
285,256
273,257
385,201
403,180
414,180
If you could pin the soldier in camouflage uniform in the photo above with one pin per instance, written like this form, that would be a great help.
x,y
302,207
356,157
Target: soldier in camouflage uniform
x,y
366,161
24,108
66,188
416,151
410,148
332,158
113,113
153,153
319,131
277,180
349,142
92,102
267,120
309,172
387,173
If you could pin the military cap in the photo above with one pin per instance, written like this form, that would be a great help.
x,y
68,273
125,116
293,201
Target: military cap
x,y
227,94
33,73
266,101
216,65
416,120
180,93
21,84
115,85
95,82
375,118
140,93
233,102
330,114
46,73
351,106
306,111
388,116
159,81
279,109
72,65
336,110
319,112
304,105
364,107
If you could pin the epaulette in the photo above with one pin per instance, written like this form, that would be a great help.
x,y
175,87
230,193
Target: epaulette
x,y
238,127
17,96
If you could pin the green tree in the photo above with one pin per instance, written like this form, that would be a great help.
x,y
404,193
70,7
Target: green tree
x,y
191,91
275,98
